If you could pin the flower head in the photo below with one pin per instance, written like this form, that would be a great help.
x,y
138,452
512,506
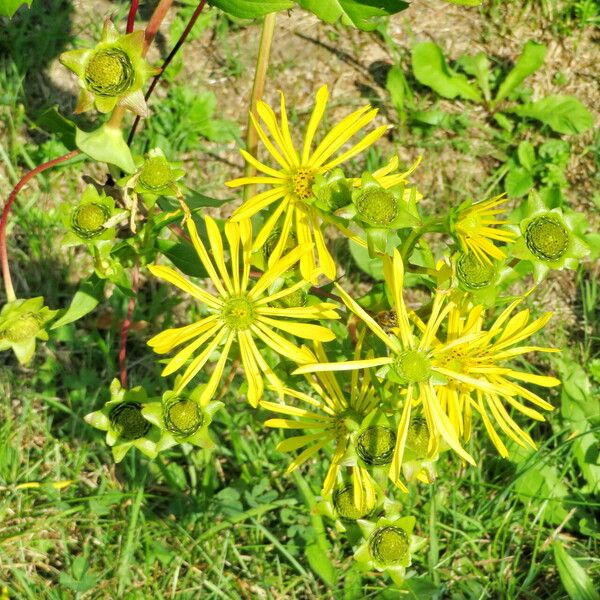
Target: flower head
x,y
473,225
92,219
291,184
112,73
182,419
21,323
124,423
240,310
550,238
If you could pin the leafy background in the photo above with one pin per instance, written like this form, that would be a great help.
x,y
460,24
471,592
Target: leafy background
x,y
230,524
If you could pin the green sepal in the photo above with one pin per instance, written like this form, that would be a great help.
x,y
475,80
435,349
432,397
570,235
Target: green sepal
x,y
106,144
331,191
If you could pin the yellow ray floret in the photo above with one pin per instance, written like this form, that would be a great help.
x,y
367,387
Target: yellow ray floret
x,y
291,183
239,311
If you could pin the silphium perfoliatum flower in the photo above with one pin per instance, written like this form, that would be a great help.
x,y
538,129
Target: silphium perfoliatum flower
x,y
388,545
550,239
92,220
155,177
125,425
182,418
112,73
21,323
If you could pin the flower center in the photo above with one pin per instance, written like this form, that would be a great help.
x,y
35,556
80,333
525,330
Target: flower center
x,y
24,328
377,206
128,421
413,366
302,182
375,445
473,273
182,416
547,238
469,225
238,313
343,501
417,438
156,173
389,545
88,220
109,72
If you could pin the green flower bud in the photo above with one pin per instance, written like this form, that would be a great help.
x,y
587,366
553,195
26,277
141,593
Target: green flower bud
x,y
343,502
109,72
24,327
88,220
156,173
473,273
417,438
375,445
547,237
389,545
127,420
182,416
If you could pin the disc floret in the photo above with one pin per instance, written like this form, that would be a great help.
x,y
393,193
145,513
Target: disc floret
x,y
238,312
412,366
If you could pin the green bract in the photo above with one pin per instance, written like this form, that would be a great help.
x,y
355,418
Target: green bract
x,y
387,545
181,418
112,73
549,238
92,220
124,422
155,176
21,323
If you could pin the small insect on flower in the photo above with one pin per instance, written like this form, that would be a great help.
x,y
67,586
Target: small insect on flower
x,y
112,73
477,227
292,183
22,322
240,310
125,425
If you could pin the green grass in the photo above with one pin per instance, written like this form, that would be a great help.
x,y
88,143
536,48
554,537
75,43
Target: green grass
x,y
231,524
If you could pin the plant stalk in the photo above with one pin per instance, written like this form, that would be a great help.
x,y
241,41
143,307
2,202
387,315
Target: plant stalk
x,y
131,16
258,89
135,274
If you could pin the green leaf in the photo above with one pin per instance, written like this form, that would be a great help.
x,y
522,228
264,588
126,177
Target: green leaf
x,y
106,144
518,182
526,154
321,564
371,266
430,69
9,7
52,121
360,13
84,301
564,114
531,60
576,581
398,88
478,66
251,9
183,256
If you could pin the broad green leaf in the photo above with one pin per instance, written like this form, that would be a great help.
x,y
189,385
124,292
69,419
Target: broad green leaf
x,y
586,452
576,581
430,69
371,266
518,182
251,9
564,114
531,60
526,154
84,301
183,256
106,144
197,200
398,88
360,13
9,7
478,66
52,121
320,563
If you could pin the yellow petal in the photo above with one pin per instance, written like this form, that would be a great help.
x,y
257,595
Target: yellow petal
x,y
367,141
173,277
347,365
216,245
255,381
306,331
166,340
313,123
257,203
182,356
208,392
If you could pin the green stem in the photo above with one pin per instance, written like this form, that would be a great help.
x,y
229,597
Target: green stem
x,y
416,234
315,519
258,88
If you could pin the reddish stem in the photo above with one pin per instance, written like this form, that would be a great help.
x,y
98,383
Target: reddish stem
x,y
131,17
10,293
135,276
158,16
168,60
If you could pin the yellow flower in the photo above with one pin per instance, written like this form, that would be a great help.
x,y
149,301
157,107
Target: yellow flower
x,y
479,382
291,184
473,227
333,416
428,369
240,310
